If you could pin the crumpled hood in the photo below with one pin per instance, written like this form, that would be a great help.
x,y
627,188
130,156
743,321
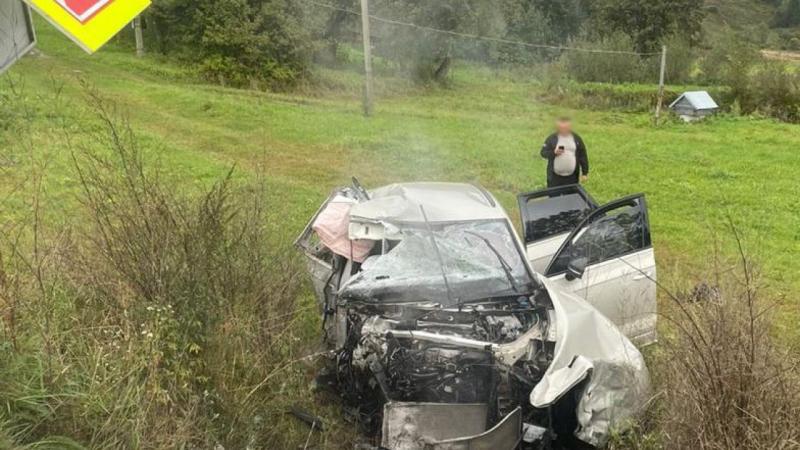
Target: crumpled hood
x,y
589,346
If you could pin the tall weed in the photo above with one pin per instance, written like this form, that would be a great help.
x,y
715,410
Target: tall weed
x,y
723,380
170,320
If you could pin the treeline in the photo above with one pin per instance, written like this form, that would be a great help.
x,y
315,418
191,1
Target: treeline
x,y
787,14
274,43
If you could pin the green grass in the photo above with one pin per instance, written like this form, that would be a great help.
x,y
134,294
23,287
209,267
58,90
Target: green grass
x,y
486,128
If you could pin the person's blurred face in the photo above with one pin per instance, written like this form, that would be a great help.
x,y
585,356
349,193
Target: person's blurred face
x,y
564,127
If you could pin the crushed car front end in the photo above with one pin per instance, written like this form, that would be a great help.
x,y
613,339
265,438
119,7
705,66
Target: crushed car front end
x,y
444,338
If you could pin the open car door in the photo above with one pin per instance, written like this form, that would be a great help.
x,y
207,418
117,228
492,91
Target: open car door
x,y
548,217
609,260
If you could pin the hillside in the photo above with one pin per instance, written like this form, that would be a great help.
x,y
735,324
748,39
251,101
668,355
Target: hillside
x,y
750,18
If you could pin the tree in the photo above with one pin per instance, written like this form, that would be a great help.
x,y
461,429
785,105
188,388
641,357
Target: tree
x,y
788,15
427,55
235,42
337,24
649,23
565,17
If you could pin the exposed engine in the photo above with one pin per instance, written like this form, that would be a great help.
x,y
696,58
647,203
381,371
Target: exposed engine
x,y
451,361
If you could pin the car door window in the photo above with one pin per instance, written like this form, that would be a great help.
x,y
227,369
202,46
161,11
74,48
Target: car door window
x,y
554,211
613,231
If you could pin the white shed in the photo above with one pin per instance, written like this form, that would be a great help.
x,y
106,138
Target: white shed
x,y
694,105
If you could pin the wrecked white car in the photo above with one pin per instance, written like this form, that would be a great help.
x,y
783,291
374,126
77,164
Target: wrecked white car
x,y
449,332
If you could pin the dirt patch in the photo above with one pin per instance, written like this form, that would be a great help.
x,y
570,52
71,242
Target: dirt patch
x,y
781,55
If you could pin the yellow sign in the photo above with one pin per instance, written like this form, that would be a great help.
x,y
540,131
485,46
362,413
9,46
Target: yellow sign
x,y
90,23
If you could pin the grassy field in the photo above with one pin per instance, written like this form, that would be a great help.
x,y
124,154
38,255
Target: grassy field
x,y
486,128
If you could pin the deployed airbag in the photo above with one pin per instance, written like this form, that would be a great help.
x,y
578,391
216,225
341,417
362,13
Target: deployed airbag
x,y
332,226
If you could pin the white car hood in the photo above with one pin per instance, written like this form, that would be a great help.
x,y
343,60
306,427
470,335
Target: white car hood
x,y
589,346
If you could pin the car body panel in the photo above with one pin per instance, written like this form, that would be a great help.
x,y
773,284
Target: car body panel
x,y
409,426
621,283
589,346
505,435
622,289
447,426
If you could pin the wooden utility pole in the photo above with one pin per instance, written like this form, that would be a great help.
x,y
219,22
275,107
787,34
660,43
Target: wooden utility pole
x,y
367,58
661,80
137,30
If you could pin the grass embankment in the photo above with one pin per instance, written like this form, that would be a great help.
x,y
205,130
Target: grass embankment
x,y
487,128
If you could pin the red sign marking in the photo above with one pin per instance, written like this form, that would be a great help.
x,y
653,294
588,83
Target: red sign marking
x,y
83,10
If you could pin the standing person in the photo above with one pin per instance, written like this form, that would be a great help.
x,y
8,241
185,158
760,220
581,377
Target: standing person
x,y
565,152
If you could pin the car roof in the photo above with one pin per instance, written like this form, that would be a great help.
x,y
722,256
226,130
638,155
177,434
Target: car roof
x,y
441,202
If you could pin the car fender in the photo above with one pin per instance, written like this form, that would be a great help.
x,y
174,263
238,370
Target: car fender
x,y
590,347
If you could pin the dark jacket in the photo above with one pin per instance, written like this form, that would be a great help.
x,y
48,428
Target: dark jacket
x,y
549,153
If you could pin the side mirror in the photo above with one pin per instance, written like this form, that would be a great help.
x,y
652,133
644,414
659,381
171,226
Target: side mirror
x,y
576,268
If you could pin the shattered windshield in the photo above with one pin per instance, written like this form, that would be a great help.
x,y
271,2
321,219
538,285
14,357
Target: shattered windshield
x,y
479,259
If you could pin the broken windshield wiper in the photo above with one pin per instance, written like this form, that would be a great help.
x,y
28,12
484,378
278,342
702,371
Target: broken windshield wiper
x,y
438,254
503,263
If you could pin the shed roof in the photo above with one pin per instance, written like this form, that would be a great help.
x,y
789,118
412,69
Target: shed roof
x,y
698,100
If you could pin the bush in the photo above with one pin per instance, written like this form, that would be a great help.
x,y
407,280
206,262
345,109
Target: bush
x,y
757,85
607,96
626,68
170,321
722,379
729,61
236,42
427,56
788,15
604,67
681,61
775,89
526,22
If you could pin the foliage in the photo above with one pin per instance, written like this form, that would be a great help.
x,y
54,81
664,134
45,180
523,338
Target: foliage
x,y
730,60
239,42
605,67
776,91
681,61
627,97
427,56
622,68
728,383
541,22
167,321
649,23
788,15
756,85
565,17
724,380
339,27
524,22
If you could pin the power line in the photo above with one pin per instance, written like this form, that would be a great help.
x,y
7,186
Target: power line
x,y
479,37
